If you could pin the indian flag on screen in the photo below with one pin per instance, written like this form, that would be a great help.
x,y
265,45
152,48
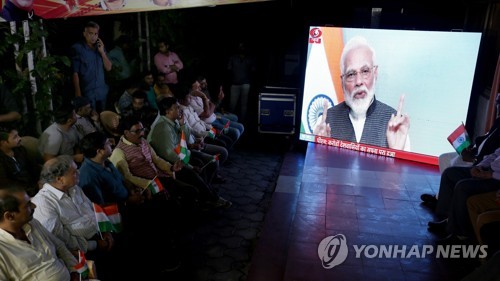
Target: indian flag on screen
x,y
459,139
322,76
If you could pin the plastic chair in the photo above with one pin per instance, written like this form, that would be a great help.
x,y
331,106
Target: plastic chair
x,y
31,145
109,121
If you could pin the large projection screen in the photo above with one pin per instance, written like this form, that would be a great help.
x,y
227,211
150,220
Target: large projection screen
x,y
433,70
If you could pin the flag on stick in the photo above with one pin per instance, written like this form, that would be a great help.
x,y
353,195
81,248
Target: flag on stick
x,y
226,126
459,139
103,221
81,267
182,149
114,216
155,186
215,158
212,133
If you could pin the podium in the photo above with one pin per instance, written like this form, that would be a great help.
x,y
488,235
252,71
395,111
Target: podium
x,y
277,106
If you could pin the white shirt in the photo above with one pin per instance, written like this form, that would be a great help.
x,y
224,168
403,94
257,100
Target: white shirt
x,y
46,258
197,105
70,217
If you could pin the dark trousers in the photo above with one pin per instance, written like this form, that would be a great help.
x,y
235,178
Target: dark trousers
x,y
457,185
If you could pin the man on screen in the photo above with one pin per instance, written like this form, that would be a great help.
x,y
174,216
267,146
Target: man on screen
x,y
361,117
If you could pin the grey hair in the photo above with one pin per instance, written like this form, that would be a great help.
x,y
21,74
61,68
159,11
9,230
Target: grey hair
x,y
354,43
54,168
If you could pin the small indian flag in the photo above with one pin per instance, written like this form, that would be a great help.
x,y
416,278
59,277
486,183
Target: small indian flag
x,y
226,126
459,139
155,186
81,267
214,159
212,133
182,149
103,221
114,216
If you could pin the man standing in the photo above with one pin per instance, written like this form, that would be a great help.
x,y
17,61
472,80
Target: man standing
x,y
241,68
361,117
168,62
89,61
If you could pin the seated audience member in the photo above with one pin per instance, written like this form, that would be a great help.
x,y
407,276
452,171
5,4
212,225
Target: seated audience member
x,y
205,110
160,88
87,120
482,145
484,213
28,250
456,186
15,165
140,109
201,138
148,79
125,99
165,136
99,179
199,128
104,184
9,110
61,138
140,164
63,208
163,92
222,115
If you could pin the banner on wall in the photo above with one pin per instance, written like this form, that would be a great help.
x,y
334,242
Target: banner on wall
x,y
51,9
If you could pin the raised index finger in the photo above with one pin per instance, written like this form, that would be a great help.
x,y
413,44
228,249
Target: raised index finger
x,y
400,106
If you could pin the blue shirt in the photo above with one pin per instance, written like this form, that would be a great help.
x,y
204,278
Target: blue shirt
x,y
102,184
88,63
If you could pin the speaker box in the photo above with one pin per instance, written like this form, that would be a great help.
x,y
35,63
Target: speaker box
x,y
277,107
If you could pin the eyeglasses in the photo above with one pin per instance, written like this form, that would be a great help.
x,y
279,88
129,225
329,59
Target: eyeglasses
x,y
138,131
366,72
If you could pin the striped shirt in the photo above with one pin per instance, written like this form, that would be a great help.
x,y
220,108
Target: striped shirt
x,y
138,163
69,216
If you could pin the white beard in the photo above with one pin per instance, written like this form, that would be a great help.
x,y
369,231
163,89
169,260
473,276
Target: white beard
x,y
359,107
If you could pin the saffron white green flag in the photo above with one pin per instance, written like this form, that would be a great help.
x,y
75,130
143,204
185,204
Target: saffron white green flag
x,y
212,133
81,267
459,139
182,149
103,221
155,186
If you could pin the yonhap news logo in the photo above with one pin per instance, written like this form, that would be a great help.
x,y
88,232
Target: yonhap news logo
x,y
333,251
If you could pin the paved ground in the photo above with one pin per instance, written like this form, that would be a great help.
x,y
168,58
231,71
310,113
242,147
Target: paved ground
x,y
222,245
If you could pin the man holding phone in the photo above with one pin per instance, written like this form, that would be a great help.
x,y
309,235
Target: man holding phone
x,y
89,61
